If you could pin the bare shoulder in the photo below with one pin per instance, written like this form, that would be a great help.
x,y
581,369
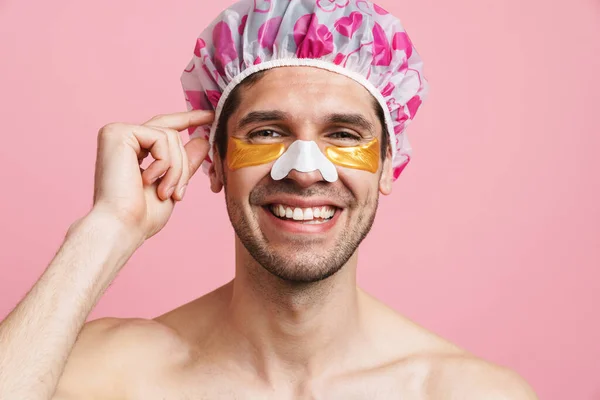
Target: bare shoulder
x,y
467,377
438,377
414,359
128,339
432,377
110,352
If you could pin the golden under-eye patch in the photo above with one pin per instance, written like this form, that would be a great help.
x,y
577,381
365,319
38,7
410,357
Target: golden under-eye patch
x,y
241,154
365,157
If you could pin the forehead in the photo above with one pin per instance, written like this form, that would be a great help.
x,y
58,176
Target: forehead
x,y
306,92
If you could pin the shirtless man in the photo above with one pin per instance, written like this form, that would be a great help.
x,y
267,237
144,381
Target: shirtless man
x,y
292,324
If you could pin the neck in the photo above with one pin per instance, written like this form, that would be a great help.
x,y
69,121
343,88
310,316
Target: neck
x,y
290,327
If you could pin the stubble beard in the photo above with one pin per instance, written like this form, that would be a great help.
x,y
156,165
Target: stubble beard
x,y
300,262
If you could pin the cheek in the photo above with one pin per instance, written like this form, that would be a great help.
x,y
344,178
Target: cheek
x,y
240,182
360,183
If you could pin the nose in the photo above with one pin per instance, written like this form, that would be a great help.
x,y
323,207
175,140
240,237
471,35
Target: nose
x,y
305,179
305,156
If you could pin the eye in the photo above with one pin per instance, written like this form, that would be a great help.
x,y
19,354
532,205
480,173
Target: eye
x,y
345,136
264,134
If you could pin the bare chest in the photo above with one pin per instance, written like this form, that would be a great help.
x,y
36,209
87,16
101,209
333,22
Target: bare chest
x,y
220,385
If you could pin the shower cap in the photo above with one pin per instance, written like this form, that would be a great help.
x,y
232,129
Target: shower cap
x,y
355,38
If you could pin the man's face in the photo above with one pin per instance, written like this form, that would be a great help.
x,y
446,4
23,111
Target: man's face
x,y
302,103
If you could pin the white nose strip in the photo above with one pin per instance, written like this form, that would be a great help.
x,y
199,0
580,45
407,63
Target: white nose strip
x,y
304,156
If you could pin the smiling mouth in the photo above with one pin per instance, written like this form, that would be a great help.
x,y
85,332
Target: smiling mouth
x,y
310,215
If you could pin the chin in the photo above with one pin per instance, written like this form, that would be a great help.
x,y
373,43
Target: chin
x,y
298,271
308,261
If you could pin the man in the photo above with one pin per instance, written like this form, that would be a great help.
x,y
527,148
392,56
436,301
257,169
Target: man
x,y
303,145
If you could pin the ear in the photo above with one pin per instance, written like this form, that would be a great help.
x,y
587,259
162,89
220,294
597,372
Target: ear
x,y
215,173
387,174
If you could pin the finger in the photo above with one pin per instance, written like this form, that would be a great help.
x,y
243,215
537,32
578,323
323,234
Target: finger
x,y
185,173
182,120
153,140
156,142
157,169
196,150
181,184
169,181
141,139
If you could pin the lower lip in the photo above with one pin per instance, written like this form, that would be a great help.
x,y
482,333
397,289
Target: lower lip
x,y
290,225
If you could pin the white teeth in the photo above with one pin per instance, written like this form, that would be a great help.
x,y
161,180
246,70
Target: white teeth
x,y
298,214
308,214
318,214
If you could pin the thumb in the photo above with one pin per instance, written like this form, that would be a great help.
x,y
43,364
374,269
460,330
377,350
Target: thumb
x,y
196,150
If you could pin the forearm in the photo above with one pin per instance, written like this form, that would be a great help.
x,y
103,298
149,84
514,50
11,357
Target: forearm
x,y
37,337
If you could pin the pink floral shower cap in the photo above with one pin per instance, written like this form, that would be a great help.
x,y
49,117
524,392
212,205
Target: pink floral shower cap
x,y
355,38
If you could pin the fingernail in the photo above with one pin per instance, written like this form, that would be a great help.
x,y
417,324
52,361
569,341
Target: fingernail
x,y
170,192
182,190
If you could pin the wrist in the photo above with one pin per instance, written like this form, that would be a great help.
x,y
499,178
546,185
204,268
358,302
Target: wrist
x,y
112,229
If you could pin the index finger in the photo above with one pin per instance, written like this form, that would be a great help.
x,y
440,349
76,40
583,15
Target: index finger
x,y
182,120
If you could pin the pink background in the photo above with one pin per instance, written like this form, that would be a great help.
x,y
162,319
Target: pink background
x,y
495,224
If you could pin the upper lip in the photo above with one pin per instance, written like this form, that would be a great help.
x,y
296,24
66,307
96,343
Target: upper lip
x,y
303,202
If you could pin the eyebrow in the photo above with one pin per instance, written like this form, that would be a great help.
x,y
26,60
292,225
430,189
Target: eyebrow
x,y
262,116
254,117
350,119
